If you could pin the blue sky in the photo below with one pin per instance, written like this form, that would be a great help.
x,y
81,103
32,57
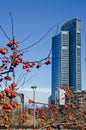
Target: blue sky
x,y
36,17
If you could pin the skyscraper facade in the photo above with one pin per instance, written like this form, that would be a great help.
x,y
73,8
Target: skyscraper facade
x,y
66,57
60,61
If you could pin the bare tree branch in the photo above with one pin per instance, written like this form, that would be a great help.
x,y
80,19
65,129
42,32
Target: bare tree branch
x,y
12,26
39,39
4,33
25,39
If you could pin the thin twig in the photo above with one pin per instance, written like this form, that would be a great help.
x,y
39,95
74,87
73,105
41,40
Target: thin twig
x,y
50,52
22,85
39,39
4,33
25,38
20,77
38,61
12,26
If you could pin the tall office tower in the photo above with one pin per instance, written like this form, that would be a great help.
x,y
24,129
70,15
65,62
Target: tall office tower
x,y
74,28
60,62
66,57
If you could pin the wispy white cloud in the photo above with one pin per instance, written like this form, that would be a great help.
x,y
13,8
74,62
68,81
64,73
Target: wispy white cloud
x,y
45,89
41,94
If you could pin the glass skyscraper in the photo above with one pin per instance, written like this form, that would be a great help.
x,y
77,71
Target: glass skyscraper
x,y
66,57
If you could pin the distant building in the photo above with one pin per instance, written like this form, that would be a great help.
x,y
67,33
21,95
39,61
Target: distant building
x,y
60,61
80,97
20,99
66,57
60,97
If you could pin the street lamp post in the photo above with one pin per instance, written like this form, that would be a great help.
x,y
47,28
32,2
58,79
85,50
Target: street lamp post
x,y
34,88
